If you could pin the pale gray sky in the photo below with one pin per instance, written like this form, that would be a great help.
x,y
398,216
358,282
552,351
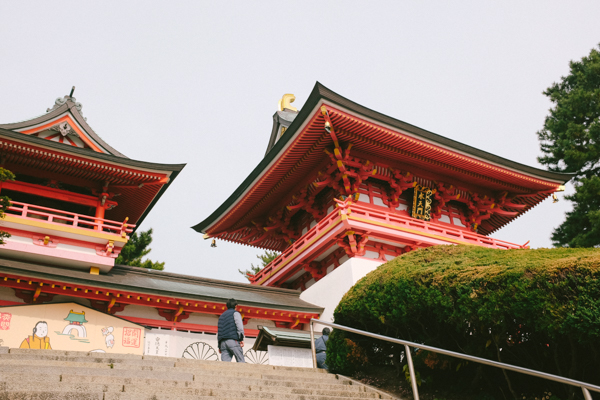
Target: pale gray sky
x,y
197,82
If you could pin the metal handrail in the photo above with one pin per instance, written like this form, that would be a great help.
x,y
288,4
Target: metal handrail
x,y
585,387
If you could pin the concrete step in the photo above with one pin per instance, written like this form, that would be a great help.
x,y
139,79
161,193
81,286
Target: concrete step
x,y
154,361
26,370
292,394
47,395
182,361
143,396
44,358
12,376
215,382
34,385
219,368
79,356
82,375
31,388
241,390
69,353
155,365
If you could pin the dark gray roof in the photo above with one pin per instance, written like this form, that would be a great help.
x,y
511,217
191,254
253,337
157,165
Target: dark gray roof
x,y
147,281
89,153
65,104
280,119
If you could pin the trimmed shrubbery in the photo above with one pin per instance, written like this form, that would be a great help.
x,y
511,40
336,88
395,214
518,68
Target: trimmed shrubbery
x,y
538,309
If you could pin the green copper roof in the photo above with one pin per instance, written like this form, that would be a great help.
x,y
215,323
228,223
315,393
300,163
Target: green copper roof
x,y
282,337
76,317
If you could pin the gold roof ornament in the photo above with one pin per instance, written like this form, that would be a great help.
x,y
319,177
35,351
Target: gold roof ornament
x,y
286,102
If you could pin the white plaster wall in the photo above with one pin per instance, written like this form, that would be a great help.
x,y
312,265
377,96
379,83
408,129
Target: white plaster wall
x,y
255,322
202,319
184,344
8,294
63,299
328,292
132,310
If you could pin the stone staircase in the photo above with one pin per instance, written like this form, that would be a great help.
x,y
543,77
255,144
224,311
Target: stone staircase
x,y
64,375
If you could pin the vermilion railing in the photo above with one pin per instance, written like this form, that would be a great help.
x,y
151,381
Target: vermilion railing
x,y
356,210
430,227
59,217
312,232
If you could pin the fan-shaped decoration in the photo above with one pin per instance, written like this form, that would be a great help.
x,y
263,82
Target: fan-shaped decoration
x,y
200,351
257,357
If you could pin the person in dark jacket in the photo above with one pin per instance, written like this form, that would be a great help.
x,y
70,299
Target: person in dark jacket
x,y
321,348
231,334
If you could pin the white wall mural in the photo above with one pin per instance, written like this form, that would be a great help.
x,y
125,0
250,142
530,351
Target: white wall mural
x,y
68,326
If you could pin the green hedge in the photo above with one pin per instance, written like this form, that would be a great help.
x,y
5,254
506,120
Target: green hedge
x,y
534,308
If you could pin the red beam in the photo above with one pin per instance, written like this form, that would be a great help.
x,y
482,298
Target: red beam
x,y
52,193
182,326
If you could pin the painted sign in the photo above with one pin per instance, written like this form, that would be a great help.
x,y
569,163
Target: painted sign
x,y
68,326
132,337
5,321
290,356
422,203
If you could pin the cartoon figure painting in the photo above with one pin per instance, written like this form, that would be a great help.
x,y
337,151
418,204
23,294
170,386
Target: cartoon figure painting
x,y
109,338
39,340
68,327
76,321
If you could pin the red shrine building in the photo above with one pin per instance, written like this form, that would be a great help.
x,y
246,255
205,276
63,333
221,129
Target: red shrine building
x,y
340,190
75,202
343,189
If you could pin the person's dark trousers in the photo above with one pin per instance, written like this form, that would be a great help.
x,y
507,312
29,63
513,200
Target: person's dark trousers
x,y
231,348
321,360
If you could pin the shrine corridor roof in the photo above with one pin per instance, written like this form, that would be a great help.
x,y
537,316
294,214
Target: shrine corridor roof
x,y
300,151
159,283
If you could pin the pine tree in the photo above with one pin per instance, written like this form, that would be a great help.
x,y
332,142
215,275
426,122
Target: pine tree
x,y
135,249
264,260
570,142
5,175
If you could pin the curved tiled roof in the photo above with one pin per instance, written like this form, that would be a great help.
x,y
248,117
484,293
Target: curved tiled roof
x,y
159,283
61,107
299,151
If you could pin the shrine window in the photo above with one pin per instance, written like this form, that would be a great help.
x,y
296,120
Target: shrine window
x,y
405,202
453,214
372,193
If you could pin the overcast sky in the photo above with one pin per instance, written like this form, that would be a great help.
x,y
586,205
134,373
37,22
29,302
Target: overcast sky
x,y
198,82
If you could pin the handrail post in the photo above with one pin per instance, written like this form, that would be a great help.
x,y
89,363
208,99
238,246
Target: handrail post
x,y
411,369
312,344
586,394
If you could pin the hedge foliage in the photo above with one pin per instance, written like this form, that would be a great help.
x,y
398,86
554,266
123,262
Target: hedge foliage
x,y
534,308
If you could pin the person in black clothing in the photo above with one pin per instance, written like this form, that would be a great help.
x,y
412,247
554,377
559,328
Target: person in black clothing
x,y
231,334
321,348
